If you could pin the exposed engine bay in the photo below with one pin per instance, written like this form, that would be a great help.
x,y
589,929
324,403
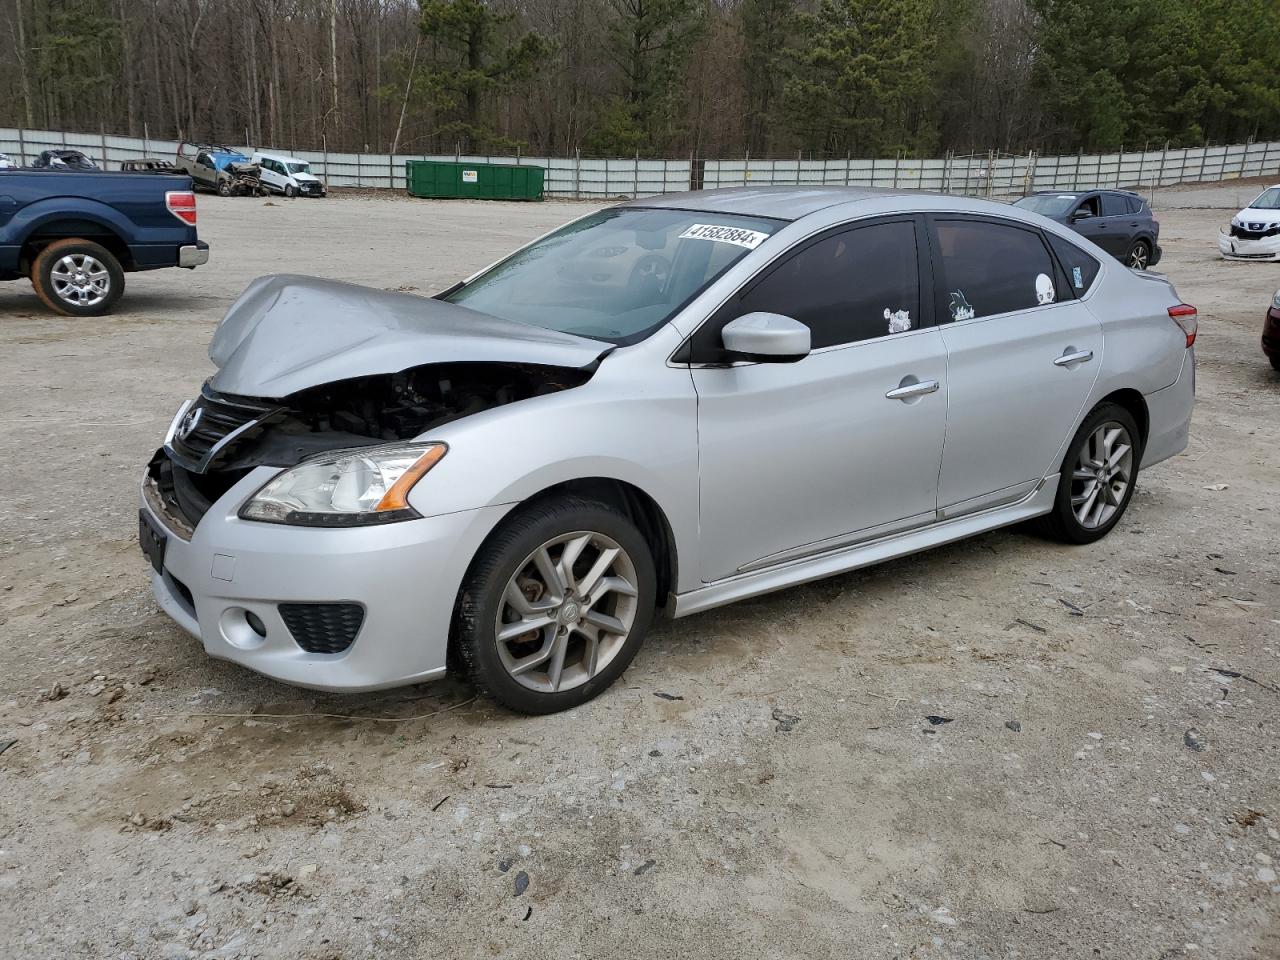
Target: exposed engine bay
x,y
221,437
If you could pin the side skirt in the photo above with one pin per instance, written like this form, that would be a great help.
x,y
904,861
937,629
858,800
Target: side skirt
x,y
790,574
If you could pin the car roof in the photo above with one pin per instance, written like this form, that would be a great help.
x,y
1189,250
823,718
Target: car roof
x,y
1084,193
796,203
288,158
780,203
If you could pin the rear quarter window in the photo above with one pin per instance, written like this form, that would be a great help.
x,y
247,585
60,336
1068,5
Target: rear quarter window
x,y
1081,268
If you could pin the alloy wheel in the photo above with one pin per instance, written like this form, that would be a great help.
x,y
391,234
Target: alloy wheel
x,y
567,611
1102,475
81,280
1139,256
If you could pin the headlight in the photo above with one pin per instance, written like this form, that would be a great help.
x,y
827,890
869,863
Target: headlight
x,y
346,488
1275,301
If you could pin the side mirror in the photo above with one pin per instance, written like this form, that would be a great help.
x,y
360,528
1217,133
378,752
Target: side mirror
x,y
766,338
1080,215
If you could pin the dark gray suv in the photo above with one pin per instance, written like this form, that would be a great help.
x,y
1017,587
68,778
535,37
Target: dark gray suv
x,y
1118,221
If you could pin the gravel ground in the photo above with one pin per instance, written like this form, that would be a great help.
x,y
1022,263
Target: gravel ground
x,y
763,782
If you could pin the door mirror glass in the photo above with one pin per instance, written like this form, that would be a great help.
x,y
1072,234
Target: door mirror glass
x,y
766,338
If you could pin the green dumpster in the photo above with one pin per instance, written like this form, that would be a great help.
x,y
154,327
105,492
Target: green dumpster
x,y
483,181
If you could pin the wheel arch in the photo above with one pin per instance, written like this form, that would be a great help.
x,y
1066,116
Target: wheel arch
x,y
630,500
74,228
638,507
1132,401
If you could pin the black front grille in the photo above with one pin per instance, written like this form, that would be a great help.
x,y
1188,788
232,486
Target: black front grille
x,y
323,627
1254,231
209,421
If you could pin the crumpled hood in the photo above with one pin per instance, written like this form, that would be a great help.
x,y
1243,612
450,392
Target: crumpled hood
x,y
305,177
287,333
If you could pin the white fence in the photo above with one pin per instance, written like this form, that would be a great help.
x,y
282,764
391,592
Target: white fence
x,y
992,175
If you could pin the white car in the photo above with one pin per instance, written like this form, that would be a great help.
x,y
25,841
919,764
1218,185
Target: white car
x,y
288,175
6,162
1254,232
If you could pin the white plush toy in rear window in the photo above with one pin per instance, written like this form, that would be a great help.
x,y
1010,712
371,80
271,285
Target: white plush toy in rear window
x,y
1044,289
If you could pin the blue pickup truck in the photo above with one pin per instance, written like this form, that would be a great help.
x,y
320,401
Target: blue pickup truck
x,y
76,235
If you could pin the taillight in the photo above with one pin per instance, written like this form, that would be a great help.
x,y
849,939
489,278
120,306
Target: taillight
x,y
182,204
1187,317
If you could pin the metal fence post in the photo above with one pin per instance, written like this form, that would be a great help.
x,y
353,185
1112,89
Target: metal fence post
x,y
848,163
22,148
635,177
102,138
577,174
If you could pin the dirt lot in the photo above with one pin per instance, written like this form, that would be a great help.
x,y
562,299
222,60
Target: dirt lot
x,y
1108,784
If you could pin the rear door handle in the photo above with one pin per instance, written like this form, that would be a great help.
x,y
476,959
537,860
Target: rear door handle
x,y
1079,356
906,391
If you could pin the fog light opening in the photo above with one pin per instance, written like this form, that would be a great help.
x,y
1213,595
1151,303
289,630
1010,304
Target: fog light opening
x,y
242,628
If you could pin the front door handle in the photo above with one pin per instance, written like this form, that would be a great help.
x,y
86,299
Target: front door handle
x,y
908,391
1078,356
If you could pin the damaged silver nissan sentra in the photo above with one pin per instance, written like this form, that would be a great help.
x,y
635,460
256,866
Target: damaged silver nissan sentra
x,y
676,402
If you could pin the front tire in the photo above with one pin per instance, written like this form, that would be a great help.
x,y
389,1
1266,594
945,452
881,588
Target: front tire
x,y
77,278
555,605
224,188
1099,474
290,191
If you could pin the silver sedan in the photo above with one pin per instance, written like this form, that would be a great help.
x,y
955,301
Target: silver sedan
x,y
674,403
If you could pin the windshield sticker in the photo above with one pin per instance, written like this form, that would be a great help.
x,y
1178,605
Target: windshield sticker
x,y
1077,277
735,235
899,320
1066,196
960,309
1044,290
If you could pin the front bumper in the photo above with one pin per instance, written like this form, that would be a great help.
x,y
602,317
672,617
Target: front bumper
x,y
194,255
405,575
1236,248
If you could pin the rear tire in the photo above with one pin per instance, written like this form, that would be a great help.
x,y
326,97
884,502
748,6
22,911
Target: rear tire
x,y
1139,255
77,278
581,576
1275,363
1098,477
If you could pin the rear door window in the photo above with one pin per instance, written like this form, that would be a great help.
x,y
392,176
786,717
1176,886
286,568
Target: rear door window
x,y
991,267
1114,205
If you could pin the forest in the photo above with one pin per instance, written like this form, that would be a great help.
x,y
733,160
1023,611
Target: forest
x,y
658,78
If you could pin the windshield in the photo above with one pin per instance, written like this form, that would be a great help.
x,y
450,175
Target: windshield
x,y
616,275
299,168
1048,205
1270,200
